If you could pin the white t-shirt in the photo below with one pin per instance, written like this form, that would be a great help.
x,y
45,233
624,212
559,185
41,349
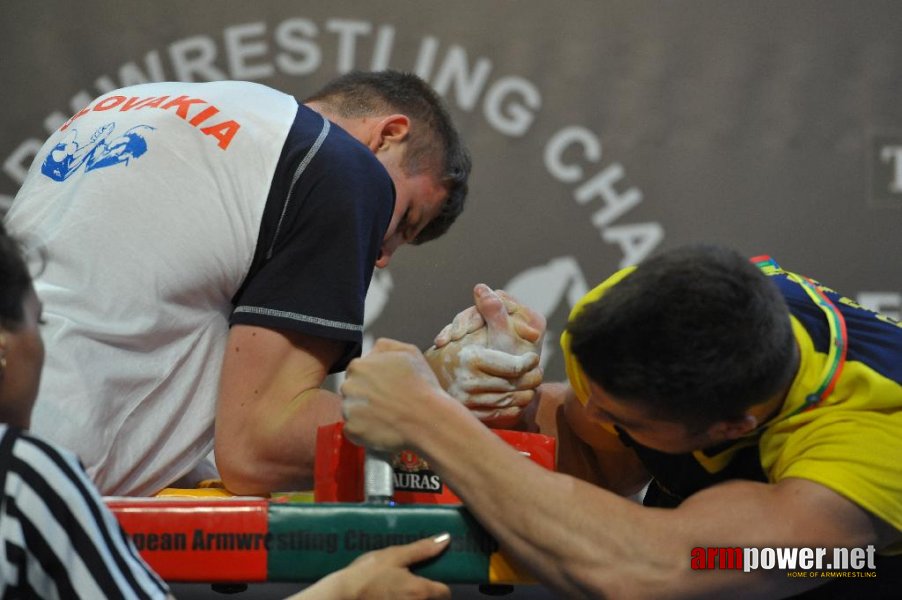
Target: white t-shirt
x,y
147,206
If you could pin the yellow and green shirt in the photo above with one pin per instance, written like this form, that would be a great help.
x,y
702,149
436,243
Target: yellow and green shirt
x,y
850,441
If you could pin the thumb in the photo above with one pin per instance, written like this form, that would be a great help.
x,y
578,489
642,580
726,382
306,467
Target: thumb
x,y
421,550
530,325
493,310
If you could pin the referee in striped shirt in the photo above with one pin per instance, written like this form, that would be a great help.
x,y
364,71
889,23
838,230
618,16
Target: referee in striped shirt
x,y
58,539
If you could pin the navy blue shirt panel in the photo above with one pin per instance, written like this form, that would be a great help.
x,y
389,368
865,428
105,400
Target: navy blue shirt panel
x,y
317,248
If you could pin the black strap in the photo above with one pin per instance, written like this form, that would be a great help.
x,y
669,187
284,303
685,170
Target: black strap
x,y
6,459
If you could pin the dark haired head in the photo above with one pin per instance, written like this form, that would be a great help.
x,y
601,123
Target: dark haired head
x,y
695,336
433,145
15,281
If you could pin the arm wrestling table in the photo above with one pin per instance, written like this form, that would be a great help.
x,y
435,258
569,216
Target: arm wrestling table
x,y
210,536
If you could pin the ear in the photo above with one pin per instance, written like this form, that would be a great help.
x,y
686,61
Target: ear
x,y
389,130
732,429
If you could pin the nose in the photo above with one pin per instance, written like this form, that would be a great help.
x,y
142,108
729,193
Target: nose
x,y
388,249
385,255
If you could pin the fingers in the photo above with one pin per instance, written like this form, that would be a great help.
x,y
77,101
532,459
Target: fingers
x,y
514,306
471,385
433,590
527,332
490,306
408,555
420,588
501,334
349,404
529,324
498,400
466,321
374,409
496,362
504,412
420,550
487,306
385,350
498,415
355,384
385,573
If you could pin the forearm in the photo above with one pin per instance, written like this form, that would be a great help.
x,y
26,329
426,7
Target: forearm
x,y
586,542
579,539
270,406
277,452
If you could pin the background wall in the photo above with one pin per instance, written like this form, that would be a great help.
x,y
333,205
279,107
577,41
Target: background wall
x,y
601,131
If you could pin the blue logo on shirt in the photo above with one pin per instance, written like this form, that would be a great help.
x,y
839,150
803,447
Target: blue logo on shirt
x,y
102,150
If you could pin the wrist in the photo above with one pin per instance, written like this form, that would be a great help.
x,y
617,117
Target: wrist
x,y
444,423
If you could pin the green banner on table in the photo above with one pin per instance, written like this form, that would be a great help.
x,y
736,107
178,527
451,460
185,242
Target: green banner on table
x,y
308,541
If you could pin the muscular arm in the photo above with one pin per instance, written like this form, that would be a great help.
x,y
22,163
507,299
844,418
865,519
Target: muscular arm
x,y
270,406
586,542
577,538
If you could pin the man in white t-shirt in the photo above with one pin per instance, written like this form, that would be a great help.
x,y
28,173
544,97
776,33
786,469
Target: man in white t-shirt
x,y
207,249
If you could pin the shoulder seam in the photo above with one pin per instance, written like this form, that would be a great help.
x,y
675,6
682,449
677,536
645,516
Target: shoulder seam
x,y
302,166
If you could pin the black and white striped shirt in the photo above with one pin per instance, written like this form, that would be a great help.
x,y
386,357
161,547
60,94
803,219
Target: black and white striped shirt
x,y
57,538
